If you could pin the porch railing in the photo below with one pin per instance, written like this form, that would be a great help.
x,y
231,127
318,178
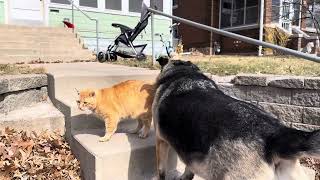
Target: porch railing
x,y
90,18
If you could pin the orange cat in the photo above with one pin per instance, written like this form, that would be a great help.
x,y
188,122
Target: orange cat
x,y
132,98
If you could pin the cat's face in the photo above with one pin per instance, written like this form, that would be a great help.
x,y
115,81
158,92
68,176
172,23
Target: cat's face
x,y
87,100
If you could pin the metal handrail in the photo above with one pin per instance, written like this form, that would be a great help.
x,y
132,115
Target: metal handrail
x,y
235,36
90,18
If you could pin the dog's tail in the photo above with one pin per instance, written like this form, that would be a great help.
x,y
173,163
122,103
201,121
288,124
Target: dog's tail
x,y
291,143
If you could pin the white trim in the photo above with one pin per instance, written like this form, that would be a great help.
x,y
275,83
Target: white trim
x,y
6,11
123,12
46,12
101,4
125,6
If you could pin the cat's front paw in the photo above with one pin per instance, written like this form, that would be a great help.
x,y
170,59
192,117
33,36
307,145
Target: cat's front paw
x,y
105,138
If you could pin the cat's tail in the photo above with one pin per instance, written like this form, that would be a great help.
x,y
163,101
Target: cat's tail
x,y
291,143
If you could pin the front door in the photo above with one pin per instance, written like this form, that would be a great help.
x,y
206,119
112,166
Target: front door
x,y
26,12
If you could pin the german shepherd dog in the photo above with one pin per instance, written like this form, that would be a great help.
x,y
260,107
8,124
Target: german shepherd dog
x,y
219,137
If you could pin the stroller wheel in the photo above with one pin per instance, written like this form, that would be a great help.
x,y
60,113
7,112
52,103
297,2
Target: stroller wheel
x,y
141,57
101,57
113,57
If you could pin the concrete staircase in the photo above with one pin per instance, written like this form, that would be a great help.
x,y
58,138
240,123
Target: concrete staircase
x,y
125,156
43,44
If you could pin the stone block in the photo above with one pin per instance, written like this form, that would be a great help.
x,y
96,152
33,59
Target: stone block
x,y
311,116
284,112
286,82
268,94
239,92
312,83
30,81
309,98
251,80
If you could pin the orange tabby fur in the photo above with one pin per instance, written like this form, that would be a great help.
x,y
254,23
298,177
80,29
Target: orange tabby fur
x,y
132,98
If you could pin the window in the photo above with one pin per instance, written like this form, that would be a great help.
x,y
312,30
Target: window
x,y
135,5
252,12
157,4
275,11
296,14
113,4
314,8
60,1
286,13
89,3
239,12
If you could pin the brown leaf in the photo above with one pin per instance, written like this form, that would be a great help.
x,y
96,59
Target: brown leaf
x,y
8,131
47,149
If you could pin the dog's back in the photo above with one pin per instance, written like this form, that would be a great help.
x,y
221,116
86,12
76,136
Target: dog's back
x,y
219,137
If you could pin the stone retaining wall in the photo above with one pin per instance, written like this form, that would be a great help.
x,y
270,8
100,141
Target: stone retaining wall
x,y
17,91
294,100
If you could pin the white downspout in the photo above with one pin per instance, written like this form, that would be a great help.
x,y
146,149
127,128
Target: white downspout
x,y
261,25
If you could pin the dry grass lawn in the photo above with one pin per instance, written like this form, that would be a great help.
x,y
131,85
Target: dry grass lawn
x,y
13,69
231,65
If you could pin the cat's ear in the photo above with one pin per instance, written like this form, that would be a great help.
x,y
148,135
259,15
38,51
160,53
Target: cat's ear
x,y
77,91
92,94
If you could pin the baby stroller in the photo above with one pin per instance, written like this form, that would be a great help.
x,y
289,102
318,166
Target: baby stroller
x,y
123,44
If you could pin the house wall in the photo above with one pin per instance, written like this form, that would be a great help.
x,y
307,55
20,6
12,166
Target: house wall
x,y
199,12
267,11
230,45
86,28
2,12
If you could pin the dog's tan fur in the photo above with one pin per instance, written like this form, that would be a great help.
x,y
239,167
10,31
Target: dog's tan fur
x,y
132,98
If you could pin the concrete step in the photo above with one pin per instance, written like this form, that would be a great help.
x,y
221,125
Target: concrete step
x,y
21,43
33,29
36,38
39,117
53,58
125,156
12,34
44,51
35,45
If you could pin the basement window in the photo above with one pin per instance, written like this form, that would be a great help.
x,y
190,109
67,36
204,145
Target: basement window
x,y
113,4
60,1
89,3
135,5
239,13
157,4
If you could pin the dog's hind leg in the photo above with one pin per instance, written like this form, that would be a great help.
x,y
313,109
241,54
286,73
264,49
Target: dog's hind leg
x,y
187,175
162,151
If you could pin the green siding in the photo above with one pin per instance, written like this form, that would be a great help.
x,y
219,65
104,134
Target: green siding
x,y
86,27
2,12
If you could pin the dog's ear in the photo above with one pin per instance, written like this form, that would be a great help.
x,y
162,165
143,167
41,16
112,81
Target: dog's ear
x,y
163,61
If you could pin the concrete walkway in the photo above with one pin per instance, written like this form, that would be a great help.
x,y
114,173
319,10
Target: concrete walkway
x,y
93,69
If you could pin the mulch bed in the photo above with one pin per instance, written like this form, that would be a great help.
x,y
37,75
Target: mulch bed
x,y
48,156
36,156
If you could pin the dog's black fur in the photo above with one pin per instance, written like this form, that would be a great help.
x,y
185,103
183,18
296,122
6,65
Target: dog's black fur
x,y
196,118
